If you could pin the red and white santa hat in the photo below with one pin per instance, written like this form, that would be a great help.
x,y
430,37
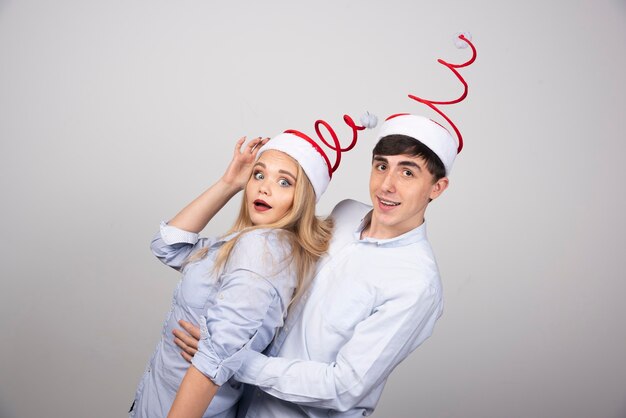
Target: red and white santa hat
x,y
310,154
427,131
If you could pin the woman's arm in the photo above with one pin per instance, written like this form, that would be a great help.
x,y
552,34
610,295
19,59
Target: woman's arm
x,y
255,288
194,395
195,216
390,336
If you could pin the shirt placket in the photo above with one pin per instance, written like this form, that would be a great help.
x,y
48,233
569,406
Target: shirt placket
x,y
257,394
295,315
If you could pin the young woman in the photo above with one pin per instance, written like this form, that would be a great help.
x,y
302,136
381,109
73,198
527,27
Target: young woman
x,y
236,287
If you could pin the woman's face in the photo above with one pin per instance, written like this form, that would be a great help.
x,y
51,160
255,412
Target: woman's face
x,y
271,188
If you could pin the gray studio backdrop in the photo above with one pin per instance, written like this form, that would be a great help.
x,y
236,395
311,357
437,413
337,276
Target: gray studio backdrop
x,y
115,114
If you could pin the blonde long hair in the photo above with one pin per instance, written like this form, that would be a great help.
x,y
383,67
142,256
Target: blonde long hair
x,y
309,235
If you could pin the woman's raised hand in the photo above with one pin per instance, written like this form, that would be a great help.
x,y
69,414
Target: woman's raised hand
x,y
200,211
240,167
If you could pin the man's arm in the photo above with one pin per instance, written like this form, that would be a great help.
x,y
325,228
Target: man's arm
x,y
378,345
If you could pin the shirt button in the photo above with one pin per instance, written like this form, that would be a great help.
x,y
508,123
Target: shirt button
x,y
221,296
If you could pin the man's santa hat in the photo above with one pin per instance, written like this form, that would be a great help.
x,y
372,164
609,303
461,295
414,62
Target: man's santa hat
x,y
430,133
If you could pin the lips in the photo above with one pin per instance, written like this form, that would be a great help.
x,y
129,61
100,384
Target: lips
x,y
261,205
387,203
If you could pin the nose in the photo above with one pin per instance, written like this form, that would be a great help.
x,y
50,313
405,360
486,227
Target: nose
x,y
388,184
264,188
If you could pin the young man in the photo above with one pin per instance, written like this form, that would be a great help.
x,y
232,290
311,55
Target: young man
x,y
375,298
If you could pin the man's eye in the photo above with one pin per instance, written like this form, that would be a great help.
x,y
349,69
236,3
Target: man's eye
x,y
408,173
258,175
381,167
284,183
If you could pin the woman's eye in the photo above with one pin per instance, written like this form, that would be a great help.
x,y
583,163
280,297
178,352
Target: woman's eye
x,y
258,175
284,183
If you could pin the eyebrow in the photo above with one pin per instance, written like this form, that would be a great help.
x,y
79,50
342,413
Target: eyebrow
x,y
404,163
280,171
288,173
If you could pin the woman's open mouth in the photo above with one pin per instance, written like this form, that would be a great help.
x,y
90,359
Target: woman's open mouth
x,y
261,205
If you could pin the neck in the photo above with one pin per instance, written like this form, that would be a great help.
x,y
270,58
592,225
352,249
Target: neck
x,y
377,230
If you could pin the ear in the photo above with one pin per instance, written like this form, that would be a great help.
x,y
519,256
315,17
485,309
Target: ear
x,y
439,187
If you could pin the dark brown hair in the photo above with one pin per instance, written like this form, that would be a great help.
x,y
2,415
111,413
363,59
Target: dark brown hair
x,y
403,144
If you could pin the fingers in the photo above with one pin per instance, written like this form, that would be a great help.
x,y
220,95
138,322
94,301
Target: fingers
x,y
238,145
259,142
185,347
187,340
186,356
191,329
254,144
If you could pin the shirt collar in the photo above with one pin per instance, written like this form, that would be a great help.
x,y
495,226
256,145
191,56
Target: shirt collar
x,y
410,237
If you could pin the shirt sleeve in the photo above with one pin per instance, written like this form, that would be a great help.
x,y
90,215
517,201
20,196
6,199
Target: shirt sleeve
x,y
255,289
378,345
173,245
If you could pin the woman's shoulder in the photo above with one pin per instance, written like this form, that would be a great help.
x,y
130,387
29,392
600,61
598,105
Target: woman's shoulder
x,y
264,234
260,250
273,240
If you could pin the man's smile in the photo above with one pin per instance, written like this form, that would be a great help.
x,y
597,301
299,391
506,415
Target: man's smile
x,y
387,202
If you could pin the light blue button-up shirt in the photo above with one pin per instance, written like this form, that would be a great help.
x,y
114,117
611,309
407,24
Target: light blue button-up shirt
x,y
370,305
238,311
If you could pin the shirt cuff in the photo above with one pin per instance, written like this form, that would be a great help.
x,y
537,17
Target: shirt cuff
x,y
208,362
172,235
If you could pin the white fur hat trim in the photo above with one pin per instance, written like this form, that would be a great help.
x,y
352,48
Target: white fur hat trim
x,y
308,157
430,133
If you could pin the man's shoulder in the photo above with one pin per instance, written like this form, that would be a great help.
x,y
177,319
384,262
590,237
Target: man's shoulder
x,y
350,210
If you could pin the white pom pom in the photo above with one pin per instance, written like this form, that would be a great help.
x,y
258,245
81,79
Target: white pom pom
x,y
460,43
369,120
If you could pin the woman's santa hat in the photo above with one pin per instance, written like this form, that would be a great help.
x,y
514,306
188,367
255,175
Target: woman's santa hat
x,y
427,131
310,154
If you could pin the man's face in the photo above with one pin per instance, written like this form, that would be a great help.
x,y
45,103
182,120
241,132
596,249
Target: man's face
x,y
400,189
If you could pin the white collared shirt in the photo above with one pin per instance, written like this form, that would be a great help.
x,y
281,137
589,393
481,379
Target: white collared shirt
x,y
370,305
